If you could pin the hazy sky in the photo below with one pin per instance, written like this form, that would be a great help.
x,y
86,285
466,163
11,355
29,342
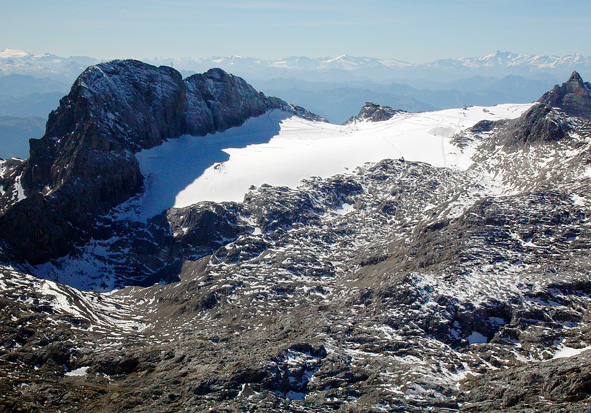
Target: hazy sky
x,y
416,31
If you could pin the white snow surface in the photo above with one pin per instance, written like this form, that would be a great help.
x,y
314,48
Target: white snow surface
x,y
281,149
103,311
566,352
20,192
77,372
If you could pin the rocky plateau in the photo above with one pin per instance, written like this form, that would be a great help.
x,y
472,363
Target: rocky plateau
x,y
397,287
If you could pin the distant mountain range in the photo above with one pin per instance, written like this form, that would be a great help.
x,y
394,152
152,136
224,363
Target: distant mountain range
x,y
347,68
336,101
62,69
333,87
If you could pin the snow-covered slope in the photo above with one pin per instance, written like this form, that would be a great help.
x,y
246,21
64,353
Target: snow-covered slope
x,y
84,164
185,175
455,279
282,150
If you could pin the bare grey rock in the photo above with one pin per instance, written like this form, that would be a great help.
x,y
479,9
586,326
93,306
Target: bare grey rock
x,y
374,113
398,287
573,97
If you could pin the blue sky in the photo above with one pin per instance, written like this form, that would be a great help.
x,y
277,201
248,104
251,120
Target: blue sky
x,y
415,31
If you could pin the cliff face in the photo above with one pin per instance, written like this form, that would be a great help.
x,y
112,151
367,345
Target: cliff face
x,y
85,163
552,117
573,97
125,106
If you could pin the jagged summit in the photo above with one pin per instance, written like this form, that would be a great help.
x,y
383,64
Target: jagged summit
x,y
135,105
373,112
549,119
573,97
85,164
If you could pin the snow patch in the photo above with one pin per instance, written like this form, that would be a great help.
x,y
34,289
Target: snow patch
x,y
566,352
20,192
344,209
442,131
578,201
77,372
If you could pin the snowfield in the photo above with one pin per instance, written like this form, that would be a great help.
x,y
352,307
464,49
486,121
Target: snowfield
x,y
280,149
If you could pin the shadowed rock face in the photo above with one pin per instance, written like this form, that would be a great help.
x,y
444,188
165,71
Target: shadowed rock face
x,y
573,97
548,121
126,106
85,163
541,123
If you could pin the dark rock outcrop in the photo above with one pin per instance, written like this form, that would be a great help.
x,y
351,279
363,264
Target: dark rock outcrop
x,y
373,112
573,97
541,123
548,121
558,112
564,383
85,164
206,225
126,106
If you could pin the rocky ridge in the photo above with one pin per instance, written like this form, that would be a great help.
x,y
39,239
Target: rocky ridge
x,y
84,164
562,110
399,287
572,97
372,112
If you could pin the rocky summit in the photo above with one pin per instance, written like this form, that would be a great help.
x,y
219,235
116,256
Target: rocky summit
x,y
573,97
398,286
372,112
84,164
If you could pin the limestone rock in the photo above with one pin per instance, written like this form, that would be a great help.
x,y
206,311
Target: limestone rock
x,y
573,97
373,112
85,164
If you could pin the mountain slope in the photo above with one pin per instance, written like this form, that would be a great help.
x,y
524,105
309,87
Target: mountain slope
x,y
338,101
35,104
85,164
23,85
400,286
